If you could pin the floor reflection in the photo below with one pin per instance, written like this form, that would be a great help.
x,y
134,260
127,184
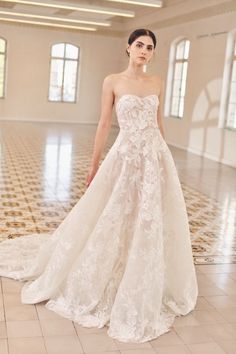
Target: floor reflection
x,y
57,167
43,173
228,223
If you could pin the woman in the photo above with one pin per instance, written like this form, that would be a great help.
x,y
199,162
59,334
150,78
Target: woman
x,y
140,50
122,256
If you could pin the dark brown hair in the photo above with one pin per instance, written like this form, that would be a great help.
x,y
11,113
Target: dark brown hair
x,y
141,32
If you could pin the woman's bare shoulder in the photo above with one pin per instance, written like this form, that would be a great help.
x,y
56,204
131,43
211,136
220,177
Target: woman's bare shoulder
x,y
157,78
113,77
112,80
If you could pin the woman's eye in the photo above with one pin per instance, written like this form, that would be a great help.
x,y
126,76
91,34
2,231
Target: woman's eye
x,y
139,45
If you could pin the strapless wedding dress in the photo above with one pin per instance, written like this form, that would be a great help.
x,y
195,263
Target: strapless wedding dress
x,y
122,257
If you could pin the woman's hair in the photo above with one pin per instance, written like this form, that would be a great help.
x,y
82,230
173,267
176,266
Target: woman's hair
x,y
141,32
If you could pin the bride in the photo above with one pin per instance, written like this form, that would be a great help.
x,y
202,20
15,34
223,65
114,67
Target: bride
x,y
122,257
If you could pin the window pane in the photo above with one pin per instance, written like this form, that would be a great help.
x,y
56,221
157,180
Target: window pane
x,y
232,98
55,93
181,107
63,75
176,88
58,50
2,64
179,88
180,50
186,49
56,79
184,77
234,71
56,72
178,71
72,51
231,119
2,45
69,80
175,106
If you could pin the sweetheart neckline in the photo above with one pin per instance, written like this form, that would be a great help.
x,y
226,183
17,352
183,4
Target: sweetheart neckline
x,y
140,97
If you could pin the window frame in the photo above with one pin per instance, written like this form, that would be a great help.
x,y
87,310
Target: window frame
x,y
64,59
174,64
5,71
233,62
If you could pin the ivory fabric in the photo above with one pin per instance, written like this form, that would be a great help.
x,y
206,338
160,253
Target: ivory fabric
x,y
122,257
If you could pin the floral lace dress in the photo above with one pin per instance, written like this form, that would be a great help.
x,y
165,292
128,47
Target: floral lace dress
x,y
122,257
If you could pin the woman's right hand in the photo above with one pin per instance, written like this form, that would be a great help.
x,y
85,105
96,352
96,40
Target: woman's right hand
x,y
91,174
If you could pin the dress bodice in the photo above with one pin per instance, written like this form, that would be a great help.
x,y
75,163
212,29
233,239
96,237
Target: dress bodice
x,y
135,113
139,137
122,256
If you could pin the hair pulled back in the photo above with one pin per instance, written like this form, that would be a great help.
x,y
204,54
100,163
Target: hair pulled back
x,y
141,32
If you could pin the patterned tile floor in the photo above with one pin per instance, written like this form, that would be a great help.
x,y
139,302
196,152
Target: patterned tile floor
x,y
43,175
43,172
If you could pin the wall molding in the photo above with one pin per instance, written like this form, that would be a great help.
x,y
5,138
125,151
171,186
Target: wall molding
x,y
114,125
203,154
37,120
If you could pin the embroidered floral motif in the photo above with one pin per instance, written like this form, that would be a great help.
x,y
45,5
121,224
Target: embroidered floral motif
x,y
122,257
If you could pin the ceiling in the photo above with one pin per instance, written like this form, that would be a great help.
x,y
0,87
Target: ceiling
x,y
68,15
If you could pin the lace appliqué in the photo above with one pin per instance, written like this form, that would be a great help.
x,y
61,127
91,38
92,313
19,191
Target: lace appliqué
x,y
122,257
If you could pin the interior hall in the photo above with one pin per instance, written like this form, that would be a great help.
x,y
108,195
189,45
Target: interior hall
x,y
54,56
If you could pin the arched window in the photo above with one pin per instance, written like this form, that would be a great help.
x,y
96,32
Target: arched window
x,y
63,72
179,78
231,109
3,54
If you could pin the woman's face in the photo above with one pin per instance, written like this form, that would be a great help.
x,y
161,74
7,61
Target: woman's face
x,y
141,50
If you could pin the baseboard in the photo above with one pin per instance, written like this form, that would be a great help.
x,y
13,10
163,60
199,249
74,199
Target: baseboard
x,y
228,163
12,119
114,125
204,154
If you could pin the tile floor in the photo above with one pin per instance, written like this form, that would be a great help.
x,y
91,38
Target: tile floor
x,y
209,329
43,173
32,182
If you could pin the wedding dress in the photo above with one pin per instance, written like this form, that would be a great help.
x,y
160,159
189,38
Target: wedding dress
x,y
122,257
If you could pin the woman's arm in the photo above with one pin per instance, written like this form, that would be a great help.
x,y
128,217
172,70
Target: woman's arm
x,y
161,108
103,127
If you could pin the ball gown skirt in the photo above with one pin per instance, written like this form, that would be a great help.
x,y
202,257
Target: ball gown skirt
x,y
122,256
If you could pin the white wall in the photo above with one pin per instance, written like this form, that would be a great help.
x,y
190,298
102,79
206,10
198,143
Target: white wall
x,y
198,130
28,74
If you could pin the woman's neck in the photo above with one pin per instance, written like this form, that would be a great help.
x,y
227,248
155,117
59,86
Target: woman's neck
x,y
135,72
